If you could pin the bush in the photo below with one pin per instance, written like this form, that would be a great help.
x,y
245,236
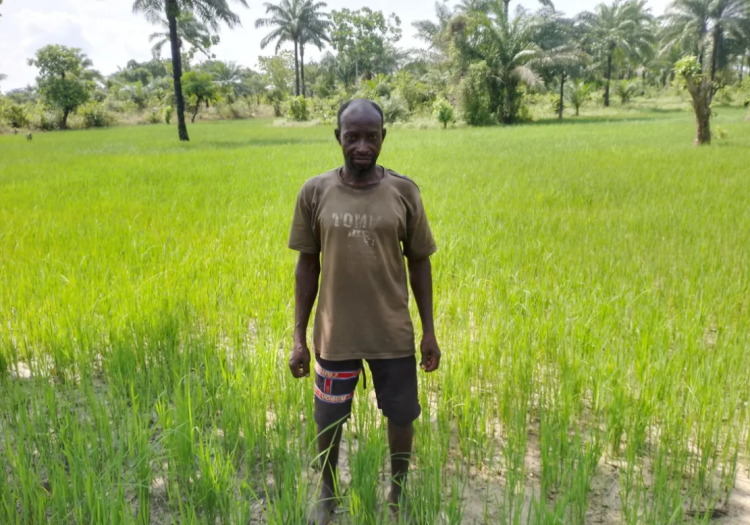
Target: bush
x,y
43,120
474,94
626,90
15,116
298,109
168,114
745,90
394,109
154,116
325,110
578,93
442,110
724,96
95,115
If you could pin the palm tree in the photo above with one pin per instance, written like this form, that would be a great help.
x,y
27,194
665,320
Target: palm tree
x,y
210,12
620,25
189,30
696,26
230,76
297,21
559,37
486,6
314,31
512,55
728,18
686,26
436,33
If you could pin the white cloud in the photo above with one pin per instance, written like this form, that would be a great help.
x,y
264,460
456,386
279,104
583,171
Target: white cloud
x,y
110,34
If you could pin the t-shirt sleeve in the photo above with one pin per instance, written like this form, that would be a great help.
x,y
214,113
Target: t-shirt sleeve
x,y
419,242
302,236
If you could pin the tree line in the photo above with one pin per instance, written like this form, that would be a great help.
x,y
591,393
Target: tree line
x,y
481,57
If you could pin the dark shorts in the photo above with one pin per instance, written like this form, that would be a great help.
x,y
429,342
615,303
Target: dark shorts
x,y
395,382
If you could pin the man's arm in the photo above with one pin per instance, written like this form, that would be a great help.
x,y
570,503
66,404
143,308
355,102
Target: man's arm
x,y
305,291
420,276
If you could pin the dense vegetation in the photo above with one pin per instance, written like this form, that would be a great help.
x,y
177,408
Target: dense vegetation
x,y
490,63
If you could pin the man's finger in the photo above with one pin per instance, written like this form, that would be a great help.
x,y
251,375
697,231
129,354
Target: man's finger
x,y
305,368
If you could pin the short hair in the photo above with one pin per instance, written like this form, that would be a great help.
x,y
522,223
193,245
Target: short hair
x,y
346,105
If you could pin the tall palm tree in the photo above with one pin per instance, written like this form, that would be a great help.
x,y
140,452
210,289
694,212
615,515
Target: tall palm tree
x,y
685,25
512,54
299,22
729,19
210,12
189,30
560,39
435,33
314,32
698,26
620,25
490,6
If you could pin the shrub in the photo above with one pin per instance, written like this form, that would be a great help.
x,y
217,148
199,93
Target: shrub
x,y
474,94
325,110
442,110
15,116
239,109
168,114
578,93
745,90
95,115
154,115
626,90
298,109
394,108
724,96
42,119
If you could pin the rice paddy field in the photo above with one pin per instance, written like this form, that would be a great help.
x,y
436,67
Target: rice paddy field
x,y
592,300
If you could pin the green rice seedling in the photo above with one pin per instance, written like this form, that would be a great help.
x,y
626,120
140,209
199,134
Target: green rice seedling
x,y
590,300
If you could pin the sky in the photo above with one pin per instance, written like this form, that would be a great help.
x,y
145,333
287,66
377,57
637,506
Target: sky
x,y
110,34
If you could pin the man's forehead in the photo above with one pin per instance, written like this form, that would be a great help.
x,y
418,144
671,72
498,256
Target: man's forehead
x,y
361,114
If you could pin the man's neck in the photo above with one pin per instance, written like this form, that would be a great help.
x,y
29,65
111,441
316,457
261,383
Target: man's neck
x,y
361,178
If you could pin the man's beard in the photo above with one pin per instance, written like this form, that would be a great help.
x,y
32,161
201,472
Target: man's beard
x,y
358,169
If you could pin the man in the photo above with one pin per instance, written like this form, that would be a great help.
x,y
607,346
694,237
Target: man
x,y
362,220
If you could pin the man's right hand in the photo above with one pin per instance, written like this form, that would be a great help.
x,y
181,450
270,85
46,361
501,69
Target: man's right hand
x,y
299,361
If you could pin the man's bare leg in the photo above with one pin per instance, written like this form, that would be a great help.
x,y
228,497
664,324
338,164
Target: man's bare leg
x,y
329,443
400,440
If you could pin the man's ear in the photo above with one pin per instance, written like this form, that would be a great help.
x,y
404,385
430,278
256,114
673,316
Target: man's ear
x,y
384,133
337,132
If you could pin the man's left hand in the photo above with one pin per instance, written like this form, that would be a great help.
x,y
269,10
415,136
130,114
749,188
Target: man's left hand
x,y
430,353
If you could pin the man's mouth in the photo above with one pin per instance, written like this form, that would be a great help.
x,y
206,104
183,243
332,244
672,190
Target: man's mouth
x,y
363,161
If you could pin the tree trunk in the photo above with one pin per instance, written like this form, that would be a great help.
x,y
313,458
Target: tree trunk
x,y
506,9
714,52
509,111
195,111
562,93
302,67
701,95
609,75
172,10
64,122
296,68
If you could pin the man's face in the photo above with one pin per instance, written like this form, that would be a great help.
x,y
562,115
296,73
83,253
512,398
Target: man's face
x,y
361,137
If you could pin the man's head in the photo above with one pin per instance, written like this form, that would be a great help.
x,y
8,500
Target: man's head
x,y
361,134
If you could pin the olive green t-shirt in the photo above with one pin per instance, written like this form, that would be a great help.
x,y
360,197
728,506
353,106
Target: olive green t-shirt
x,y
363,235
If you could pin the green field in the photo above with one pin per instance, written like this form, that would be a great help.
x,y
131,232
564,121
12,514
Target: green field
x,y
592,295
